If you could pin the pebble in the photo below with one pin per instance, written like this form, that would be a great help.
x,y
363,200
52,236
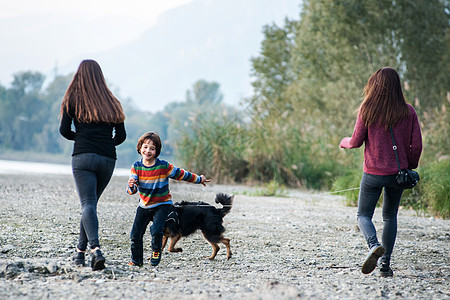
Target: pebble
x,y
303,246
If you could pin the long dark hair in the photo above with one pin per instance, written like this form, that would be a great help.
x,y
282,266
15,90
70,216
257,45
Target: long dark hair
x,y
383,99
88,98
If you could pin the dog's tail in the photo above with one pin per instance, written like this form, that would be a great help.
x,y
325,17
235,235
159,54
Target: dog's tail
x,y
226,201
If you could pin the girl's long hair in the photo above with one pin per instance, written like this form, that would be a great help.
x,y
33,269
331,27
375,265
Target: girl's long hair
x,y
88,98
383,99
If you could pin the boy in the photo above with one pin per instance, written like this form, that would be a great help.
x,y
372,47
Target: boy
x,y
150,177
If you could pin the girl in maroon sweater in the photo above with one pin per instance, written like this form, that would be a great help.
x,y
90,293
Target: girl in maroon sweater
x,y
383,106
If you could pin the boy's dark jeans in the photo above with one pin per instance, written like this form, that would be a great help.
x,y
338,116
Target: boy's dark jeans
x,y
143,217
92,173
369,193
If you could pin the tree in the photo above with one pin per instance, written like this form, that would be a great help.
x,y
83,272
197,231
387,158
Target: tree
x,y
270,106
310,74
22,103
204,92
272,70
48,139
4,113
424,38
27,82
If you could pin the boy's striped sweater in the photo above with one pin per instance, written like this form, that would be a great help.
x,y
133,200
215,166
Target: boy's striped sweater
x,y
153,182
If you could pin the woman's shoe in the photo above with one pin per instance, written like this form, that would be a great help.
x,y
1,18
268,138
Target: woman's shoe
x,y
78,258
97,260
386,271
372,258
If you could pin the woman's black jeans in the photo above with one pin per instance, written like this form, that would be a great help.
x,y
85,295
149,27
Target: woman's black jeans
x,y
369,193
143,217
92,173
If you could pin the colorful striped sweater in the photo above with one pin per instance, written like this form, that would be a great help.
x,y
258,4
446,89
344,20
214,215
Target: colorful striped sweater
x,y
153,182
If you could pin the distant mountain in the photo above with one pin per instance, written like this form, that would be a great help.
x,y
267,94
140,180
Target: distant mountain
x,y
205,39
45,41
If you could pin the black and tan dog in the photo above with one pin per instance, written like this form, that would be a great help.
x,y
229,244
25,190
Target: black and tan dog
x,y
188,217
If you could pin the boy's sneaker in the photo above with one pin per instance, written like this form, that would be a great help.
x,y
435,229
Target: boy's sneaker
x,y
156,258
78,258
386,271
97,260
134,264
372,258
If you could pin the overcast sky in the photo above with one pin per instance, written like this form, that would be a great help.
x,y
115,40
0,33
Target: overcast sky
x,y
30,30
145,10
52,36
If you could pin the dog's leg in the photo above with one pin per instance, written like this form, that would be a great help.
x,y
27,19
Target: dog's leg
x,y
215,247
164,242
226,242
173,241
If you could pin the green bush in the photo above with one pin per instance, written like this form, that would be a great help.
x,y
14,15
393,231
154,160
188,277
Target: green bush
x,y
272,189
214,146
412,198
349,185
435,187
430,195
318,175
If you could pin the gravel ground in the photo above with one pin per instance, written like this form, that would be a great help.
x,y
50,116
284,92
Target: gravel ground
x,y
302,246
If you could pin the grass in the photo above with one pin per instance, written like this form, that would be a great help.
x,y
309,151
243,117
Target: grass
x,y
351,179
271,189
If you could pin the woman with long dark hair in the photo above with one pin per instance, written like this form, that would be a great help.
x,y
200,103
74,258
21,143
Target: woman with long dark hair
x,y
383,107
99,127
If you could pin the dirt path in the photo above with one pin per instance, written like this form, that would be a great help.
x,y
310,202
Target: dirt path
x,y
303,246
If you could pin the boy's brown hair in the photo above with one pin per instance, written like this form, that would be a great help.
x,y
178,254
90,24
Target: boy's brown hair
x,y
152,136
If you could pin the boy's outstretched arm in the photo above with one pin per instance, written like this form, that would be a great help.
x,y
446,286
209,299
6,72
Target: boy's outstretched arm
x,y
181,174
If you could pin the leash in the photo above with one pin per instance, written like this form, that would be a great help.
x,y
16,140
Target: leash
x,y
325,193
200,205
356,188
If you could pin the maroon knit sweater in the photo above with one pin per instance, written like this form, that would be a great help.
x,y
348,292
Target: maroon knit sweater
x,y
379,157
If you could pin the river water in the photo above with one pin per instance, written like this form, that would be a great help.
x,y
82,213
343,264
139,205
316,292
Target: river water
x,y
20,167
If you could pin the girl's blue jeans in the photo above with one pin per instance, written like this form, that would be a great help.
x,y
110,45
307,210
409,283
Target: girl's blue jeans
x,y
92,173
369,193
143,217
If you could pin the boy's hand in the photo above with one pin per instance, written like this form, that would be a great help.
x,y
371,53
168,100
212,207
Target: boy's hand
x,y
131,182
204,180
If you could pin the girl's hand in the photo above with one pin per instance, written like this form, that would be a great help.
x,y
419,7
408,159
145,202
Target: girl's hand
x,y
204,180
345,142
131,182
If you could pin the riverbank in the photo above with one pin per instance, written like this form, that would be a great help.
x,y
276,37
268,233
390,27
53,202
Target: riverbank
x,y
42,168
304,246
